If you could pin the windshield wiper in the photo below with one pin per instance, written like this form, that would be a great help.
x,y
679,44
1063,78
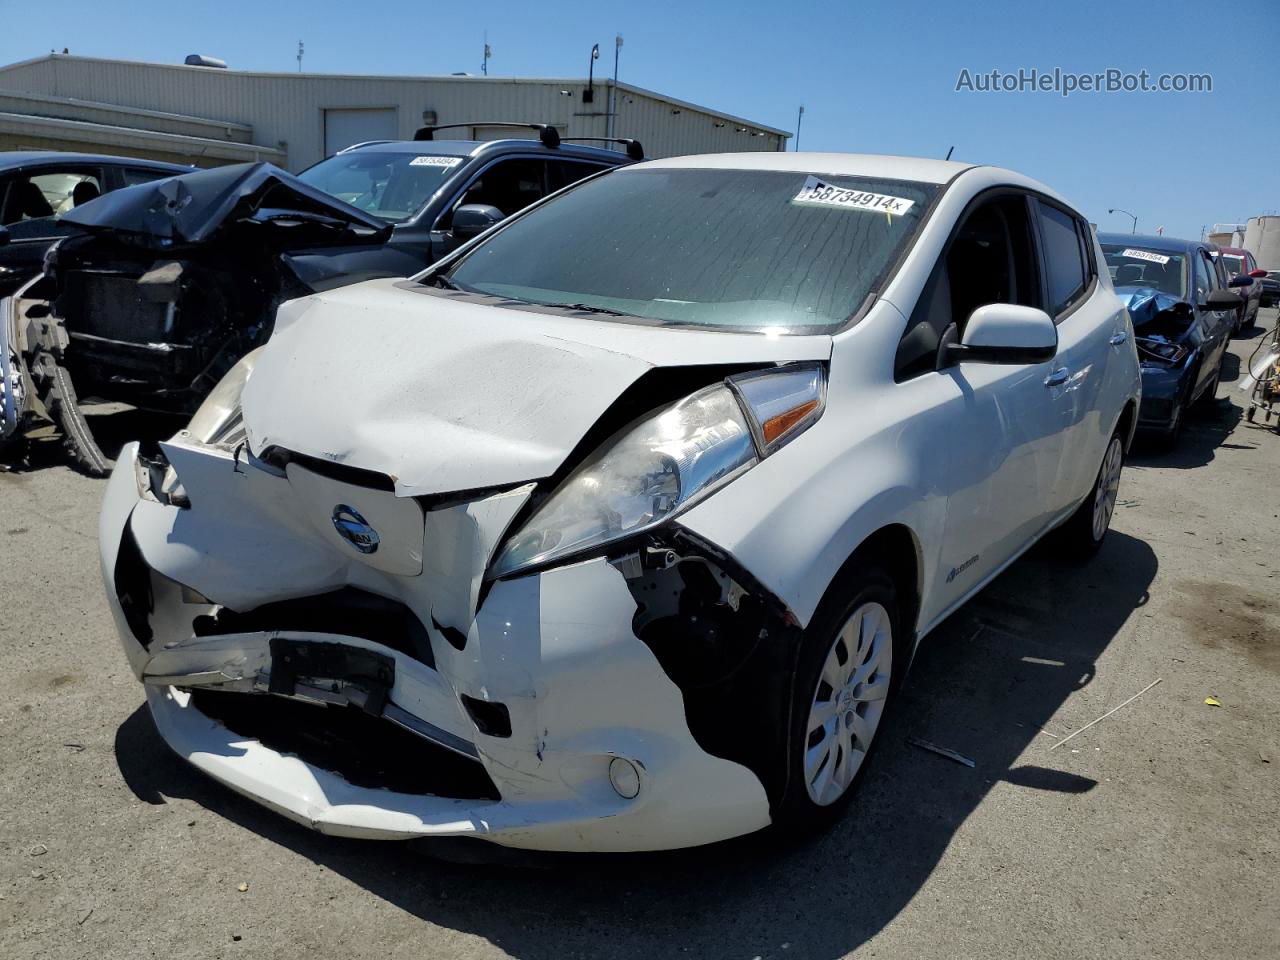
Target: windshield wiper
x,y
440,280
587,308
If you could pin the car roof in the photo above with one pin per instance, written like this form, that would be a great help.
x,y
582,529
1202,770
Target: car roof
x,y
472,148
874,165
1152,242
17,159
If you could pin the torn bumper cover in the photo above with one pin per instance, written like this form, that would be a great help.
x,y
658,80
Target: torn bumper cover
x,y
552,718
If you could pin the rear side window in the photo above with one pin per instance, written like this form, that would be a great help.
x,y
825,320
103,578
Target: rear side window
x,y
561,173
135,175
1065,263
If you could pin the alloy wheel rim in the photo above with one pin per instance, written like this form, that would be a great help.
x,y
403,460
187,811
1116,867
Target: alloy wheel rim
x,y
848,702
1108,490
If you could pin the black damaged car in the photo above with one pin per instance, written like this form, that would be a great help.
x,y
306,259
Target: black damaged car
x,y
163,287
1183,316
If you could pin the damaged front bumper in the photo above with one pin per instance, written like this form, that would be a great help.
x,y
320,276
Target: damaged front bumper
x,y
392,694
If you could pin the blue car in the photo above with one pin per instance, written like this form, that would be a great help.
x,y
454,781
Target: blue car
x,y
1183,316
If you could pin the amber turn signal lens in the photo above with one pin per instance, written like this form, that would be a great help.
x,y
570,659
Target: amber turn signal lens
x,y
775,427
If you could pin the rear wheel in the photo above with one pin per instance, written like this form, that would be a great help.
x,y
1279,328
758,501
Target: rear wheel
x,y
1083,534
848,669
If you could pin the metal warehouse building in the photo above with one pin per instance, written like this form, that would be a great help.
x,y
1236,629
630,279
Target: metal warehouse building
x,y
210,116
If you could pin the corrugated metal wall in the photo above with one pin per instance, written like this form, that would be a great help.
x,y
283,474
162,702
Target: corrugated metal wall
x,y
290,108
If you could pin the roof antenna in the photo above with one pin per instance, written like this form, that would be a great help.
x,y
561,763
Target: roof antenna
x,y
951,151
300,56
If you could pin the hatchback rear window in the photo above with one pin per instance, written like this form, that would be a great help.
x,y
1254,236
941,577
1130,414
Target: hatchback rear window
x,y
759,250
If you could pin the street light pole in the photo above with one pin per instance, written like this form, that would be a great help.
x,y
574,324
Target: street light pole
x,y
799,118
1127,214
589,96
613,91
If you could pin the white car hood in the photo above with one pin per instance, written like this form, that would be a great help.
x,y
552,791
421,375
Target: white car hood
x,y
448,395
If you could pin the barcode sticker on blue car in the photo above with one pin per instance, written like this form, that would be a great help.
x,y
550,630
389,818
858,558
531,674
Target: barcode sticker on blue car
x,y
819,193
435,161
1145,255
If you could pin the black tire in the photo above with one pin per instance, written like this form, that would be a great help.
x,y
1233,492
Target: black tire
x,y
1077,536
77,438
1209,398
859,584
1173,432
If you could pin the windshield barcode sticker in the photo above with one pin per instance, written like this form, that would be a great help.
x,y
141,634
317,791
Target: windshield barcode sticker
x,y
819,193
1145,255
435,161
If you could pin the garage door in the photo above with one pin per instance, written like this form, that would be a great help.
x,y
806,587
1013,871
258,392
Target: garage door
x,y
342,128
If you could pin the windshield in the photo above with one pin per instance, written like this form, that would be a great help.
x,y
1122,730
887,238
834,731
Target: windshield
x,y
1135,267
1233,264
393,186
747,249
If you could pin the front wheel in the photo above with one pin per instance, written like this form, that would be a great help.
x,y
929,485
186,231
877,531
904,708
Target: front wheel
x,y
848,668
1083,534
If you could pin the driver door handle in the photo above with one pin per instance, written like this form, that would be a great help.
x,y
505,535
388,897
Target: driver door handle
x,y
1119,338
1058,377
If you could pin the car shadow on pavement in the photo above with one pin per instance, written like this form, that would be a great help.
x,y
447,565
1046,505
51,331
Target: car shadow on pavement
x,y
1206,430
985,684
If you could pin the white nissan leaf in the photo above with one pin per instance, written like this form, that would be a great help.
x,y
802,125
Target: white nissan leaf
x,y
618,528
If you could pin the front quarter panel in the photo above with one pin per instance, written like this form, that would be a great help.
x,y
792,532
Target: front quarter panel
x,y
872,460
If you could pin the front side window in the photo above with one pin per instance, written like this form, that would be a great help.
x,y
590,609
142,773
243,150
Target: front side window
x,y
1153,269
41,196
1203,278
509,185
1063,258
743,249
391,186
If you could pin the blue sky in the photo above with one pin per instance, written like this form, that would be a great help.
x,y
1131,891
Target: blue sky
x,y
873,76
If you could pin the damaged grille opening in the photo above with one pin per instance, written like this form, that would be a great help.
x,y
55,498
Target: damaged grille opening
x,y
490,717
280,458
132,579
349,611
365,751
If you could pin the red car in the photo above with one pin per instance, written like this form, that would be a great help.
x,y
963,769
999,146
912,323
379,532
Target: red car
x,y
1240,263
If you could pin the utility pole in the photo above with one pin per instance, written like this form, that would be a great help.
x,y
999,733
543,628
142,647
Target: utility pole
x,y
612,125
799,118
484,65
299,56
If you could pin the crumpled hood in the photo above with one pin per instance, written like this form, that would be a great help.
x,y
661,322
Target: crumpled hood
x,y
1145,303
448,395
191,207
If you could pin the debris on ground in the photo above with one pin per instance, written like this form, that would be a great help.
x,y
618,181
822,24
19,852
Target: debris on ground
x,y
941,751
243,888
1107,714
39,850
1212,702
84,916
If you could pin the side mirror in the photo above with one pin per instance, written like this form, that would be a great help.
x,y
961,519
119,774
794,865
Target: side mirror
x,y
4,236
473,219
1257,274
1240,280
1222,300
1005,333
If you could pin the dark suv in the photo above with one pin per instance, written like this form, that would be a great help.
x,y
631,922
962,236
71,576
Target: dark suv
x,y
440,193
37,187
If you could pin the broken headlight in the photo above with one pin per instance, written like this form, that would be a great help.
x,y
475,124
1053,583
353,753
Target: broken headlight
x,y
658,467
219,419
1161,351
